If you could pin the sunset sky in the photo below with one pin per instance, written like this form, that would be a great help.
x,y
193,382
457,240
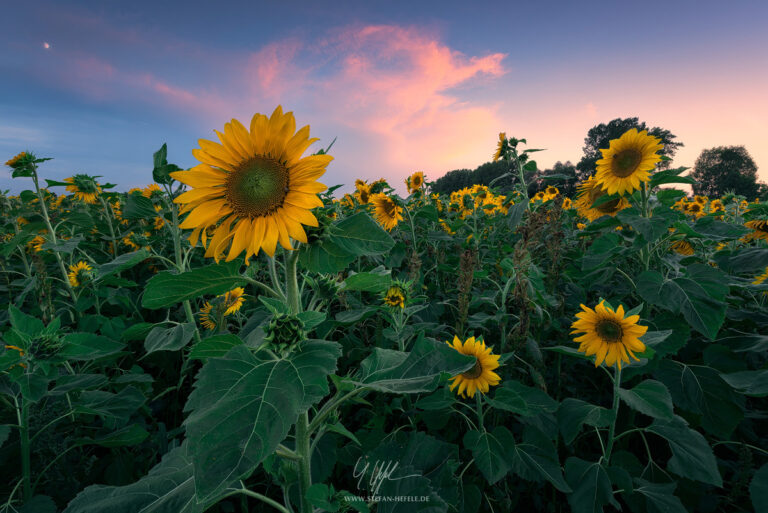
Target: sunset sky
x,y
405,86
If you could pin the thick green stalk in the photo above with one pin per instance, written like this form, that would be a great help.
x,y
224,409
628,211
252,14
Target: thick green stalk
x,y
181,267
305,455
615,409
22,416
479,397
291,282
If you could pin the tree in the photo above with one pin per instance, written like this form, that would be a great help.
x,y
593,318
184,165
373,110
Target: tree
x,y
599,137
725,169
562,175
484,174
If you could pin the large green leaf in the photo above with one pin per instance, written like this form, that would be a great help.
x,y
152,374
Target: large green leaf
x,y
168,488
88,346
169,339
489,450
215,346
121,263
166,289
535,459
754,383
650,398
351,237
691,457
129,435
574,413
591,486
114,408
419,371
651,228
137,206
659,497
758,489
524,400
244,405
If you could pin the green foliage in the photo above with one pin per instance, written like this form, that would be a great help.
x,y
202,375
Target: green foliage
x,y
725,169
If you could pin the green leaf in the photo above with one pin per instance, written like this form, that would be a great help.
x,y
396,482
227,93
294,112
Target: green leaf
x,y
169,339
5,432
368,282
116,407
166,289
650,228
535,458
215,346
691,457
137,206
419,371
88,346
669,176
574,413
523,400
713,229
66,246
132,434
650,398
26,324
753,383
489,451
168,488
74,382
758,489
121,263
591,486
311,319
138,331
38,504
659,497
243,406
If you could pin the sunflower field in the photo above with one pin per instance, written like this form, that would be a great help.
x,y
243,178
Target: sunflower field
x,y
238,337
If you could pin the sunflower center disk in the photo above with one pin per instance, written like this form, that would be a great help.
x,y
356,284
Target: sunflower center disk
x,y
474,372
625,162
608,207
609,330
257,187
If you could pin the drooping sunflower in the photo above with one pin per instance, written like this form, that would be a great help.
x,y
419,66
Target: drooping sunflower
x,y
608,334
213,312
151,190
627,161
255,186
481,376
683,247
387,212
588,192
415,182
79,273
84,187
500,146
17,160
36,243
395,296
760,279
760,227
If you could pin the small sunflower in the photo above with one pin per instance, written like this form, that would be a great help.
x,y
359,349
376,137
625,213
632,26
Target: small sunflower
x,y
500,146
481,376
683,247
213,312
701,200
79,273
760,227
386,211
137,241
589,192
627,161
608,334
395,296
254,186
415,182
84,187
36,243
760,279
552,190
18,160
567,203
363,194
152,190
695,209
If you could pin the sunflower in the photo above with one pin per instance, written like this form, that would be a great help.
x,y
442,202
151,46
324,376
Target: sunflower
x,y
760,227
552,190
137,241
481,376
500,147
695,209
79,273
415,182
761,278
701,200
716,206
387,212
363,194
151,190
84,187
17,160
627,161
567,203
608,334
395,296
36,243
683,247
589,192
213,312
255,186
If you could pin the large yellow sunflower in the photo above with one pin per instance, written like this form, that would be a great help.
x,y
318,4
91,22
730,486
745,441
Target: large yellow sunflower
x,y
481,376
589,192
627,161
500,146
84,187
255,187
387,212
78,273
760,227
608,334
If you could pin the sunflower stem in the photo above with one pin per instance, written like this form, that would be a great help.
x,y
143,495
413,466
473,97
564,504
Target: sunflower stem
x,y
615,409
22,416
291,283
479,398
107,211
303,451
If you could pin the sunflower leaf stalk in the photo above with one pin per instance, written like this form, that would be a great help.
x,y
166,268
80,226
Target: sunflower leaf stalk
x,y
615,414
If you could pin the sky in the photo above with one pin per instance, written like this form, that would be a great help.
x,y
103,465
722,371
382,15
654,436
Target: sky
x,y
403,86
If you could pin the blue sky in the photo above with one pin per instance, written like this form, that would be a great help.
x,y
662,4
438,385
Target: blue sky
x,y
405,86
